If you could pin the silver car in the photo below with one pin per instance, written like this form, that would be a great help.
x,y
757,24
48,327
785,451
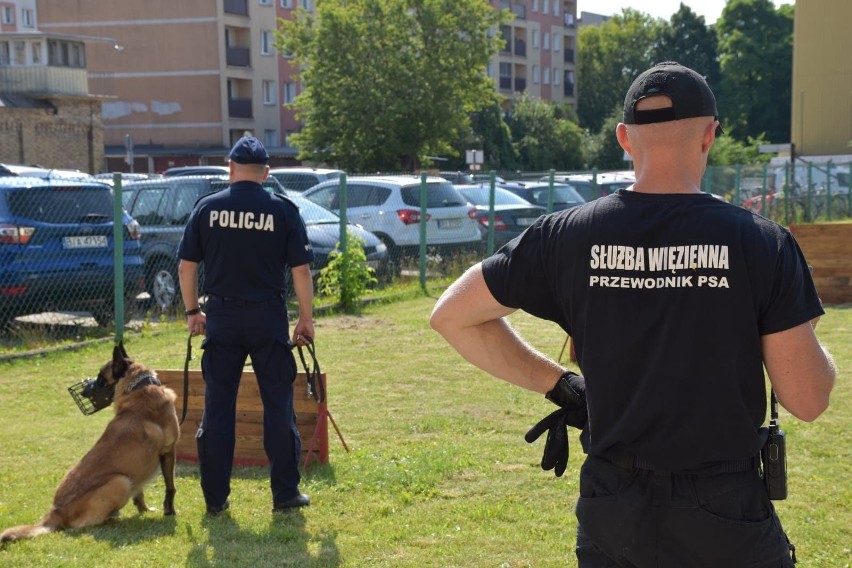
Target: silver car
x,y
389,207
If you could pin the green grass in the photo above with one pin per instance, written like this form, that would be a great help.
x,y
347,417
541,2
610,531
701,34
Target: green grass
x,y
439,473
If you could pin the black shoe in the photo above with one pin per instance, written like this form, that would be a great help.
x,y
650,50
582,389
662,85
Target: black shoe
x,y
216,509
300,500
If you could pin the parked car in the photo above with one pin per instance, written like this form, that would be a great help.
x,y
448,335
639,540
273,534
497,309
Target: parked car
x,y
126,177
197,171
591,187
57,248
300,179
47,173
389,206
512,213
163,207
537,192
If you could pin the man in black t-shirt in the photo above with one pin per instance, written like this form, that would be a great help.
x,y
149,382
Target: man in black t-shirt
x,y
247,237
676,301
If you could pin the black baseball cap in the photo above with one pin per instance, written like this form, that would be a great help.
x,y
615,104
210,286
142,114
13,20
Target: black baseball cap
x,y
688,91
248,150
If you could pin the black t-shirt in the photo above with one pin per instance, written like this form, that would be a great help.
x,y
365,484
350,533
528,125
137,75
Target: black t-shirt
x,y
246,237
666,298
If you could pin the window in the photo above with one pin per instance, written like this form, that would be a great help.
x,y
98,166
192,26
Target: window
x,y
535,74
270,96
546,7
36,47
535,5
545,76
19,53
4,53
27,16
289,92
556,42
534,39
8,15
545,40
555,77
266,42
307,4
286,3
264,2
556,7
270,138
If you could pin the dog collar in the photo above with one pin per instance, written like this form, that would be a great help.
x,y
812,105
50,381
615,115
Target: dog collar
x,y
143,380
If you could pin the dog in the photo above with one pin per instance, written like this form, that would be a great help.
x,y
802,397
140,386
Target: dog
x,y
141,437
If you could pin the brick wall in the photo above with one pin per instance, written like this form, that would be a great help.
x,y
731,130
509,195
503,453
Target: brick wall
x,y
72,137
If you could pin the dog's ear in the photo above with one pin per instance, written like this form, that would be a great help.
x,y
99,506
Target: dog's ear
x,y
120,362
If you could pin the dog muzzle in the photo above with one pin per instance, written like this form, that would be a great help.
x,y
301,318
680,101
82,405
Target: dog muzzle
x,y
91,396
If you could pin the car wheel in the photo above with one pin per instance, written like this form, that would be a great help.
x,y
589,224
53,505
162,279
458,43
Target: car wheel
x,y
391,267
163,284
105,313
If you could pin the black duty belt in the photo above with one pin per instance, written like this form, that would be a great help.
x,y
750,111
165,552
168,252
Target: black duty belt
x,y
628,461
218,298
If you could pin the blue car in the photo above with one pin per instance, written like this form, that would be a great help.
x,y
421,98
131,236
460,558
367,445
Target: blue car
x,y
57,249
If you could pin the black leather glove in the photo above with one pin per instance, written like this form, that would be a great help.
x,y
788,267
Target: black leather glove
x,y
569,394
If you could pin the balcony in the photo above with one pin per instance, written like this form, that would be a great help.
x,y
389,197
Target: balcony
x,y
505,83
50,80
238,56
568,55
520,84
236,7
568,89
239,108
520,47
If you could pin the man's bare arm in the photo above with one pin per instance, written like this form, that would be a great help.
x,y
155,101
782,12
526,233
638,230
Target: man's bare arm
x,y
801,370
472,321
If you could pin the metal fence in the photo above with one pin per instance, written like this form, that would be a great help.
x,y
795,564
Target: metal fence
x,y
71,254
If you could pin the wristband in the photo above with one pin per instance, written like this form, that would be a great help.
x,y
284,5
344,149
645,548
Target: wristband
x,y
193,311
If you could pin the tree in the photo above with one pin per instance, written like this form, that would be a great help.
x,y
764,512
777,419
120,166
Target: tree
x,y
387,82
609,57
542,140
688,40
605,153
756,60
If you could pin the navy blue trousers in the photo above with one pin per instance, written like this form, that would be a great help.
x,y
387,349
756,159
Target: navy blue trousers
x,y
634,518
237,331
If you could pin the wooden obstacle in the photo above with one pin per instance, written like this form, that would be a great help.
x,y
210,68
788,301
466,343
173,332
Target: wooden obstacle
x,y
311,418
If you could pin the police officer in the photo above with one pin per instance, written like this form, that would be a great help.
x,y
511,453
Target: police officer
x,y
246,237
676,301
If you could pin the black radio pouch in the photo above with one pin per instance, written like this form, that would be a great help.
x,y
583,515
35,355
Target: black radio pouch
x,y
773,456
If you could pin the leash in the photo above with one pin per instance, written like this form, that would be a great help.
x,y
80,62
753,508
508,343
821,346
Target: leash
x,y
186,379
315,387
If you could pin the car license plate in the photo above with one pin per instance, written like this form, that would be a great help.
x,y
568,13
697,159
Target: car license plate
x,y
85,241
449,223
525,221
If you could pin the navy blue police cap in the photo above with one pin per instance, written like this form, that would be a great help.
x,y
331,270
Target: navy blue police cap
x,y
248,150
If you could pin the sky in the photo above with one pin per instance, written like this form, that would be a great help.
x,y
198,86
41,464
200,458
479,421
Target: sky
x,y
710,9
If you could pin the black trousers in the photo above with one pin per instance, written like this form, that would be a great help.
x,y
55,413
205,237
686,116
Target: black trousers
x,y
635,518
236,331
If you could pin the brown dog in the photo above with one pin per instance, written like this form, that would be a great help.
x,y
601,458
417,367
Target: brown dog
x,y
141,437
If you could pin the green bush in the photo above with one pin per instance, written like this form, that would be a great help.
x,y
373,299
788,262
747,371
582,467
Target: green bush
x,y
347,276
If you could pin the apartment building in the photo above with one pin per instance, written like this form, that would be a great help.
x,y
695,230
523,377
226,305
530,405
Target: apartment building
x,y
191,78
48,116
539,52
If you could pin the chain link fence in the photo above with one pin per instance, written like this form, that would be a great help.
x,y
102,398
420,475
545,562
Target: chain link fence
x,y
61,241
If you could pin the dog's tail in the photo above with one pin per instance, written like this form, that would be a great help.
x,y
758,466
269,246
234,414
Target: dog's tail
x,y
24,531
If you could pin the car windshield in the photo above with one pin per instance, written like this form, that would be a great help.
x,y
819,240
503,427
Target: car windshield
x,y
437,195
561,194
480,196
312,213
63,205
